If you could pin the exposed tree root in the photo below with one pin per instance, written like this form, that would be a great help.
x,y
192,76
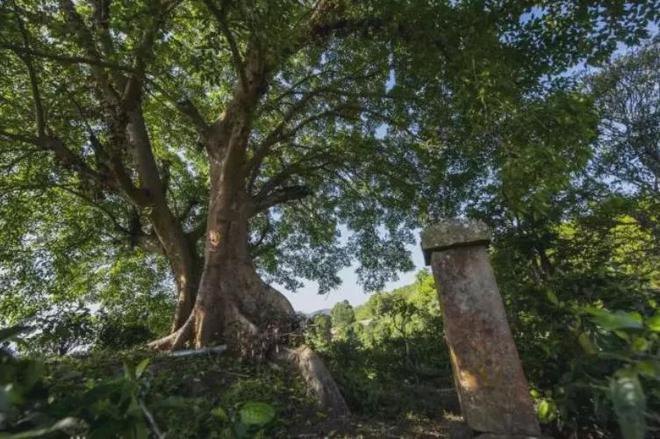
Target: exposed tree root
x,y
254,320
175,340
320,383
236,320
164,343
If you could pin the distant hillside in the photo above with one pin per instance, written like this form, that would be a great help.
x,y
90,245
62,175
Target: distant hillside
x,y
325,311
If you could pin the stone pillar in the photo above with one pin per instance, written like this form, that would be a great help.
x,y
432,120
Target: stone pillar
x,y
491,385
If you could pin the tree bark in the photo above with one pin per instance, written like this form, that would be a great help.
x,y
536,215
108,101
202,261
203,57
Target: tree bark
x,y
233,306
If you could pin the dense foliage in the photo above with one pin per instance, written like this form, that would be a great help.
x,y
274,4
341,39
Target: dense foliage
x,y
593,362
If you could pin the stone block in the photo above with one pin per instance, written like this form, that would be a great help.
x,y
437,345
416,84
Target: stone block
x,y
453,233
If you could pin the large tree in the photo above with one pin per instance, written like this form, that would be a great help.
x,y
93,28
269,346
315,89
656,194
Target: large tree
x,y
237,137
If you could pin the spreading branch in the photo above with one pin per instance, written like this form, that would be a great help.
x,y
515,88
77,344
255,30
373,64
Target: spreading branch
x,y
279,196
65,59
239,64
186,107
144,53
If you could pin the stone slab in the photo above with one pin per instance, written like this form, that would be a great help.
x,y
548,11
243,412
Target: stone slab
x,y
490,382
453,233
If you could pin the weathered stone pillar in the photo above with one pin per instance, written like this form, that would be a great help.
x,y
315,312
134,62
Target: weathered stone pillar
x,y
491,385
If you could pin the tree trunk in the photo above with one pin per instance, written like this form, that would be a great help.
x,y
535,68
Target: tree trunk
x,y
185,264
186,267
233,305
177,247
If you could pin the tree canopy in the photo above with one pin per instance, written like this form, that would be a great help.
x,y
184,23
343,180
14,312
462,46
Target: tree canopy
x,y
371,117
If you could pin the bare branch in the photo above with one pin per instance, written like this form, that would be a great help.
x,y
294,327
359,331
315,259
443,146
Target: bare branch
x,y
275,136
25,138
264,233
198,231
7,167
280,135
64,155
144,53
85,40
101,24
300,167
134,234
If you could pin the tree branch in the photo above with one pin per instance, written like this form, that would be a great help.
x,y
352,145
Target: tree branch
x,y
186,107
198,231
66,59
20,137
279,135
221,15
85,39
279,196
144,53
39,114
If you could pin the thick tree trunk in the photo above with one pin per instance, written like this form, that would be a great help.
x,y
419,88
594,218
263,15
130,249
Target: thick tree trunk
x,y
187,269
233,305
179,250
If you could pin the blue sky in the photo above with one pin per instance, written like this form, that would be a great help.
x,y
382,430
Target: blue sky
x,y
307,300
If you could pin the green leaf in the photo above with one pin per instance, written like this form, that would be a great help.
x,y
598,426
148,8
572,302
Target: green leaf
x,y
256,413
616,320
546,411
629,404
640,344
653,323
129,372
220,413
649,369
552,297
141,367
586,344
623,335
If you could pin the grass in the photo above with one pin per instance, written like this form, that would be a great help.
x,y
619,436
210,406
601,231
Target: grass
x,y
201,396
